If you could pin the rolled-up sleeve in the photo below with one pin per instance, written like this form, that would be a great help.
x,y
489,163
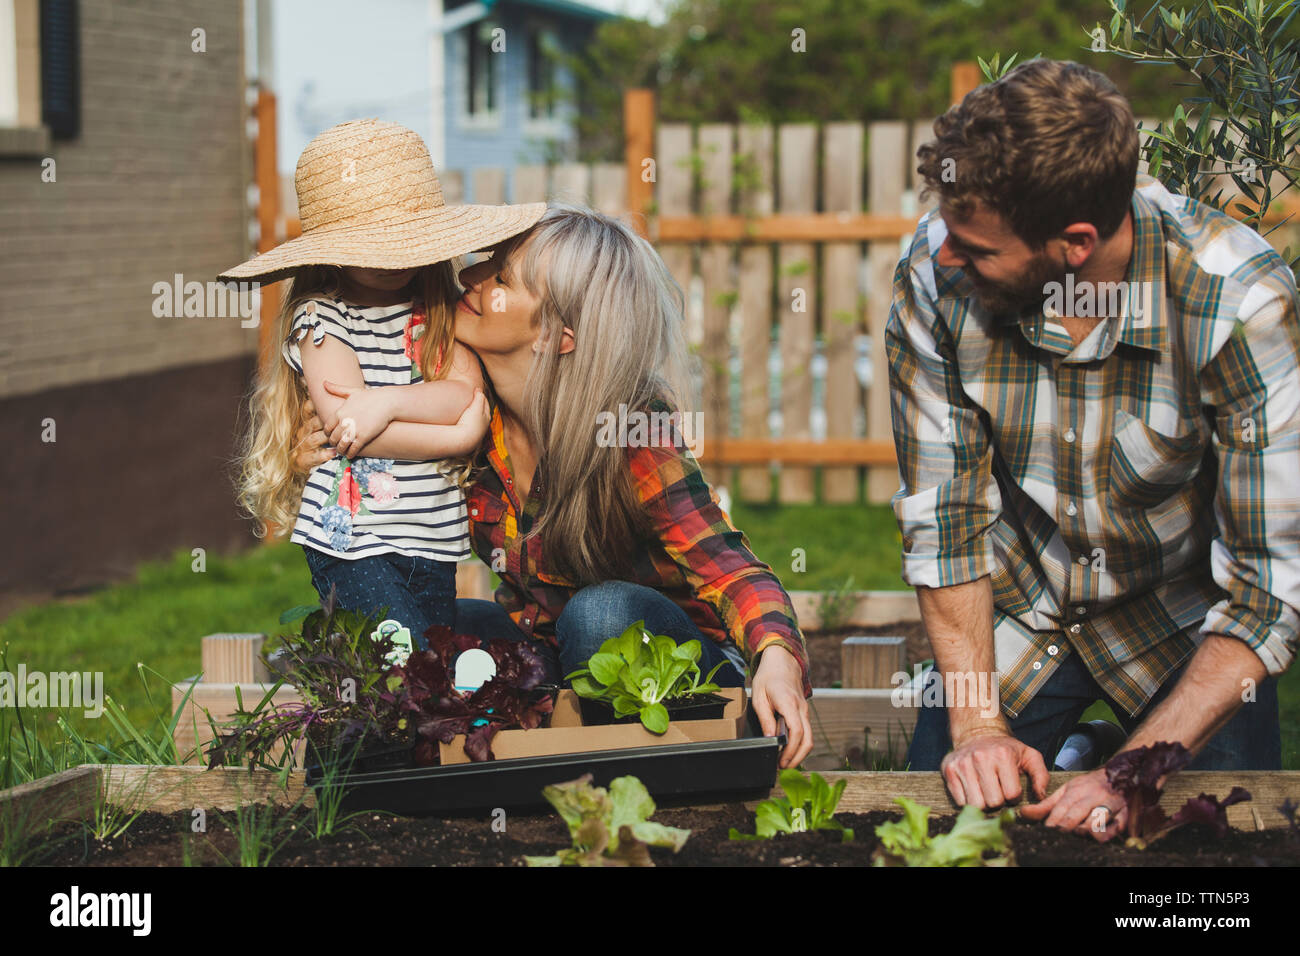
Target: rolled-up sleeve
x,y
714,556
948,501
1253,385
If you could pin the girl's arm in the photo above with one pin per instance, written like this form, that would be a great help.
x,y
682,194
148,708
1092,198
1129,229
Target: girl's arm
x,y
414,441
371,411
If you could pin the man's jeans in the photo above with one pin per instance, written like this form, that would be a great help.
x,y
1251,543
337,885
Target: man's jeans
x,y
1251,740
592,616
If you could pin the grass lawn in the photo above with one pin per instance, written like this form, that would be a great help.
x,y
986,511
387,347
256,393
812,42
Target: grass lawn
x,y
159,617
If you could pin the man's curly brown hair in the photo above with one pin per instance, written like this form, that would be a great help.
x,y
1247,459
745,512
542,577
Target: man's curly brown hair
x,y
1051,143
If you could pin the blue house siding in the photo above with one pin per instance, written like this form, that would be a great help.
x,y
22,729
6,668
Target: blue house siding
x,y
512,137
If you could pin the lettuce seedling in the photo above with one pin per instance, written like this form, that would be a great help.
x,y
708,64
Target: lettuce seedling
x,y
808,804
1135,775
636,671
907,842
608,828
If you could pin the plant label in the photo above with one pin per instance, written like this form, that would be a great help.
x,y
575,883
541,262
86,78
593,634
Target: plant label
x,y
401,638
474,668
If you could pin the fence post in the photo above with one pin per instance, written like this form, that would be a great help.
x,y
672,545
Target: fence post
x,y
638,146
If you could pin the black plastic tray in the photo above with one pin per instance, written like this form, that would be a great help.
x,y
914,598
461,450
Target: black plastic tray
x,y
705,772
700,707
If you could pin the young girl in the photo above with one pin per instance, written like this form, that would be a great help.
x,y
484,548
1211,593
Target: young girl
x,y
381,529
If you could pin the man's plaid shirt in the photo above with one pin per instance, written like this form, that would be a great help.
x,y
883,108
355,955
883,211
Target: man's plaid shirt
x,y
697,558
1128,495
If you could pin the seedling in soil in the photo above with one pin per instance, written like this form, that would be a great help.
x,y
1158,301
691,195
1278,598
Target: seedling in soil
x,y
262,830
808,804
636,671
907,842
1136,774
608,828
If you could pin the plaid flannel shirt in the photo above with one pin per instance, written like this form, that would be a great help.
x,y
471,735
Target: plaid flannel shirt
x,y
698,559
1128,495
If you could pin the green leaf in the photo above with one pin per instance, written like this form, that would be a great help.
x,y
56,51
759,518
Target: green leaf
x,y
796,786
655,718
586,687
297,613
605,667
772,817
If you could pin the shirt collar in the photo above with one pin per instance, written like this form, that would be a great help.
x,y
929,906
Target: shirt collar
x,y
1143,320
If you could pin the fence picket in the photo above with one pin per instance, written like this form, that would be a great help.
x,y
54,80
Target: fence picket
x,y
754,198
714,146
796,175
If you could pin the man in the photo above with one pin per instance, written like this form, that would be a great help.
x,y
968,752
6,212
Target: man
x,y
1096,405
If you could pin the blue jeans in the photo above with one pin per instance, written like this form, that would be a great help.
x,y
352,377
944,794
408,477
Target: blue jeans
x,y
418,592
595,614
1251,740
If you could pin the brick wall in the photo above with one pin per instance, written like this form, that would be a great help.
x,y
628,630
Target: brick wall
x,y
153,186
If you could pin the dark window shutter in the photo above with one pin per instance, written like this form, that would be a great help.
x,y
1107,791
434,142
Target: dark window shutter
x,y
60,69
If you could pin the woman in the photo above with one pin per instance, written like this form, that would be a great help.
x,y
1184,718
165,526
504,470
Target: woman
x,y
570,320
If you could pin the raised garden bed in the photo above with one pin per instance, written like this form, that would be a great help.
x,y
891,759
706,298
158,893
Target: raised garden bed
x,y
169,795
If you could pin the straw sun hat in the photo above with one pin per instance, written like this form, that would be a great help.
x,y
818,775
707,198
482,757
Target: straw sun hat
x,y
368,197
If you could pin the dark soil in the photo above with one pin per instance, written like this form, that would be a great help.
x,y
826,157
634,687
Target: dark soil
x,y
384,840
824,647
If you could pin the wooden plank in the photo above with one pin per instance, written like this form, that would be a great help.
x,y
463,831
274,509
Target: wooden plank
x,y
639,146
797,305
473,580
268,212
453,186
872,661
609,188
234,659
888,146
870,608
802,452
68,796
530,184
847,718
218,700
792,227
489,185
173,789
713,144
841,315
571,182
674,188
922,132
966,76
755,198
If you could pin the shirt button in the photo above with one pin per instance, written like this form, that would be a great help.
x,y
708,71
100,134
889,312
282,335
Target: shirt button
x,y
1071,510
1083,559
526,621
474,512
1081,611
1075,628
1069,435
1052,649
1038,665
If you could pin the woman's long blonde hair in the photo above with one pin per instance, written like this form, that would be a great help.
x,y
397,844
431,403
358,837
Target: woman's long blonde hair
x,y
270,486
594,274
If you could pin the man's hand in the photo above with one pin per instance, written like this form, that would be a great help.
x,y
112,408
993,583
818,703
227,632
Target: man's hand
x,y
984,769
778,690
1086,804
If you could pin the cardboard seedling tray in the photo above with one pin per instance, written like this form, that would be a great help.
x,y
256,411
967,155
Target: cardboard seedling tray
x,y
567,735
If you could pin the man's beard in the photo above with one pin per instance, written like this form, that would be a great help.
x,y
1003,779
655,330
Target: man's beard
x,y
1019,294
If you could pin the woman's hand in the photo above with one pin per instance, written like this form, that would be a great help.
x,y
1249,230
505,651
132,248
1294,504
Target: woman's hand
x,y
778,690
310,442
362,417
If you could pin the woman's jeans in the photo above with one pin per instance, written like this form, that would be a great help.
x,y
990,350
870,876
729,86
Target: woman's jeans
x,y
1251,740
595,614
418,592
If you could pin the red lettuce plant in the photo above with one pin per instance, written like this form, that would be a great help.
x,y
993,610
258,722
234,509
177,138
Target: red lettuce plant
x,y
1136,775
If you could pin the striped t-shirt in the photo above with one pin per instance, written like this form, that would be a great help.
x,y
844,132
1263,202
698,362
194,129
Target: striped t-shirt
x,y
366,506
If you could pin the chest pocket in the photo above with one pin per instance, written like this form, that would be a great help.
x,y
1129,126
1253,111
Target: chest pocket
x,y
484,507
1147,466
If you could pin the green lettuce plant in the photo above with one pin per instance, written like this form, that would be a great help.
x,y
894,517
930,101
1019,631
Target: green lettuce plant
x,y
907,842
808,804
608,827
636,671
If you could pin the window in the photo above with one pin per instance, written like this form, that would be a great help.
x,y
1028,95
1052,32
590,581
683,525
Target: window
x,y
482,71
543,68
